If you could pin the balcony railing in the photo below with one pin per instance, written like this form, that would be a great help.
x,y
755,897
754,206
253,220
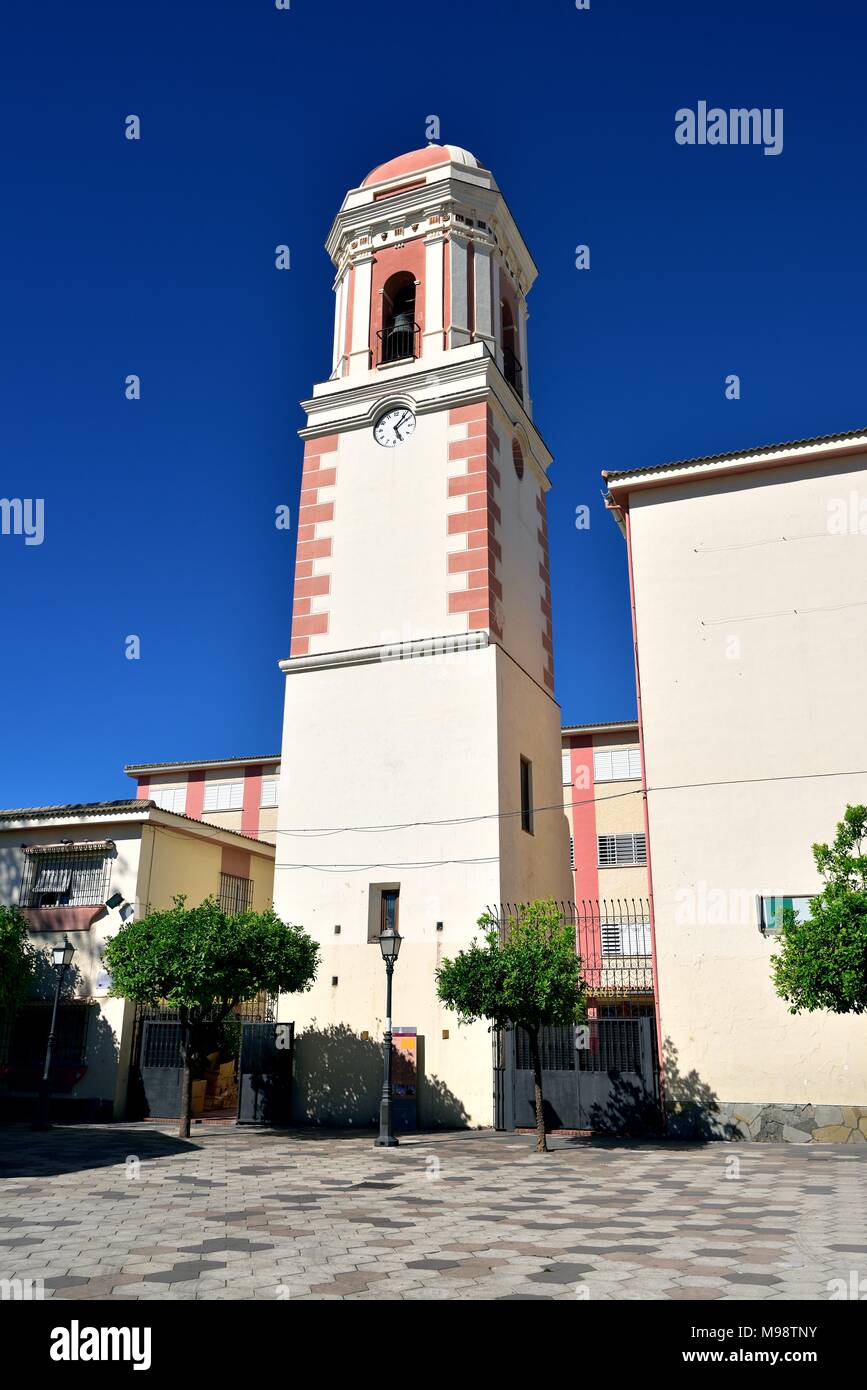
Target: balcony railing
x,y
397,343
513,372
613,939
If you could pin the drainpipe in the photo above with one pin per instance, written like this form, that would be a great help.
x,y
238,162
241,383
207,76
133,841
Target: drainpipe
x,y
624,511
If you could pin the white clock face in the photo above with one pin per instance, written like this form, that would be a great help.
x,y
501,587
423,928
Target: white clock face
x,y
394,427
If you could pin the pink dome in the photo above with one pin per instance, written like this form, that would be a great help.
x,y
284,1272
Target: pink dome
x,y
417,160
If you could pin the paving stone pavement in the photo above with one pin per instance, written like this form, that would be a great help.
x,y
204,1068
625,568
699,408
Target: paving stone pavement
x,y
132,1212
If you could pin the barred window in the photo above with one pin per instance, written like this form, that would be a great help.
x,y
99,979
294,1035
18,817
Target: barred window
x,y
236,894
621,849
61,877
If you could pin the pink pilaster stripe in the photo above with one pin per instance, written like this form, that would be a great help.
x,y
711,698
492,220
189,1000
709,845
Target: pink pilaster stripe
x,y
196,794
252,799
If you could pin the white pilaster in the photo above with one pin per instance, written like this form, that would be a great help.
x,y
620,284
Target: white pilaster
x,y
483,281
459,332
434,252
522,352
340,306
359,348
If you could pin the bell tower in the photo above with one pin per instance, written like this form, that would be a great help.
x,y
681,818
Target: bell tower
x,y
421,768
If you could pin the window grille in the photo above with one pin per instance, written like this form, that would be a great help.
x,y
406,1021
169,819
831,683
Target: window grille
x,y
556,1049
621,849
62,877
236,894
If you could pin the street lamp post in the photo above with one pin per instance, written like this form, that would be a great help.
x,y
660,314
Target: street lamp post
x,y
62,957
389,945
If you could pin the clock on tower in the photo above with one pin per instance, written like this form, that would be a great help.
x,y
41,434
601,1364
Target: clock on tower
x,y
421,742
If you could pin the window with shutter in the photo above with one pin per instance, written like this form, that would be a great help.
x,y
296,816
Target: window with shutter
x,y
611,939
602,765
627,938
567,767
616,764
224,796
53,880
269,792
170,798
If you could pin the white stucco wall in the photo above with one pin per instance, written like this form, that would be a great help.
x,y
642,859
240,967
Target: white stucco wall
x,y
752,630
384,744
388,569
388,743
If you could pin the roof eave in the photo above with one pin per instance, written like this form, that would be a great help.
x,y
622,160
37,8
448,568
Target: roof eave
x,y
621,484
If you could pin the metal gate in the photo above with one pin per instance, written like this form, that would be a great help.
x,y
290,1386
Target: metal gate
x,y
607,1084
154,1089
265,1074
605,1079
159,1069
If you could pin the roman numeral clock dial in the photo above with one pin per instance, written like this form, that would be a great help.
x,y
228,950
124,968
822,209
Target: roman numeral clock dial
x,y
394,427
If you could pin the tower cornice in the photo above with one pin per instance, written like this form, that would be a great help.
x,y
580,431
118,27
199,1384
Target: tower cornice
x,y
421,210
461,376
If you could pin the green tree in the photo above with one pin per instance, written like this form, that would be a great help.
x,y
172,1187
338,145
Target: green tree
x,y
204,962
821,963
528,976
17,959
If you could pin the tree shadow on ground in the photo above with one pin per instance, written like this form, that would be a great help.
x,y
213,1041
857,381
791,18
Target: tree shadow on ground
x,y
337,1082
692,1108
22,1074
26,1153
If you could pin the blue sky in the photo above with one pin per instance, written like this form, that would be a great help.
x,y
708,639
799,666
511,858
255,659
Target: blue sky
x,y
156,257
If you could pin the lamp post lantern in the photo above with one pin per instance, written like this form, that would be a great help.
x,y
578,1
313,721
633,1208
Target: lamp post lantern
x,y
62,957
389,945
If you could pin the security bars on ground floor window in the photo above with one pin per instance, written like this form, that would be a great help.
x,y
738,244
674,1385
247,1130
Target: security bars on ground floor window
x,y
236,894
65,877
621,849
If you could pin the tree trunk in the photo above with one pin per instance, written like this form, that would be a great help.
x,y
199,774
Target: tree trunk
x,y
186,1076
535,1057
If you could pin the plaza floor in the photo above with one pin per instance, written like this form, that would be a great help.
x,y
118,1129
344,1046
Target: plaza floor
x,y
131,1212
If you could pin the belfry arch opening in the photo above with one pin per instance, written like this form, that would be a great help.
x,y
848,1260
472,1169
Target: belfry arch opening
x,y
511,364
398,337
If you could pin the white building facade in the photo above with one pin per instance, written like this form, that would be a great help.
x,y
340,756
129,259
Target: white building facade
x,y
749,586
421,736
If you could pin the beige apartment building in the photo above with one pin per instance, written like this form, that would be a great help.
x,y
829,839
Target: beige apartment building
x,y
78,872
749,586
232,793
602,797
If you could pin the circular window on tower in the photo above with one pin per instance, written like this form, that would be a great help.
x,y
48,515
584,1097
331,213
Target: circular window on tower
x,y
518,458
